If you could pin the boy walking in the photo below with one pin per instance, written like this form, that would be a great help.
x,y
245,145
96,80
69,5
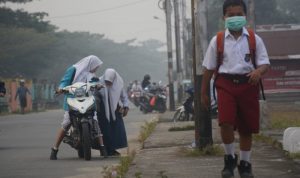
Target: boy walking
x,y
2,89
238,71
22,94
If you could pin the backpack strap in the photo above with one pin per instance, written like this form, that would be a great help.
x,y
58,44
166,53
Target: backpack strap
x,y
252,48
220,50
220,56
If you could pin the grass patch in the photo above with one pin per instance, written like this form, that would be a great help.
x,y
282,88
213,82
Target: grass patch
x,y
294,155
276,144
185,128
138,175
4,113
125,163
119,171
284,119
162,174
268,140
146,130
211,150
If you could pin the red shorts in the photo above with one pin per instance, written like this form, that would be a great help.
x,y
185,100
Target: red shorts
x,y
238,105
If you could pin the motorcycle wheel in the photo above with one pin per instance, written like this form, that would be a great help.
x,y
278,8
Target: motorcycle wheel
x,y
161,107
80,152
176,115
144,110
86,141
186,116
181,116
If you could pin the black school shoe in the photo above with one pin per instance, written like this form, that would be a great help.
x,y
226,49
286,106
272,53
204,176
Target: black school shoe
x,y
230,164
53,155
245,169
114,153
103,151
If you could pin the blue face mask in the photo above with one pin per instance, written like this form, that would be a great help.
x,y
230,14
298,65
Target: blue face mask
x,y
235,23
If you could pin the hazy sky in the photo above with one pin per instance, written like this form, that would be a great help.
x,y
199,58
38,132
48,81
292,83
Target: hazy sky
x,y
119,20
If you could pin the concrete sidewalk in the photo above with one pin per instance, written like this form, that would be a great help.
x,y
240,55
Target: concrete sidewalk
x,y
163,156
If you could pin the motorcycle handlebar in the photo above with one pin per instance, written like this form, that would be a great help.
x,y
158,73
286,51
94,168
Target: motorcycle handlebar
x,y
60,91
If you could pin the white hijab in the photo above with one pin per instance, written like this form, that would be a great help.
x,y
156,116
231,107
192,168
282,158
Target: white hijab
x,y
84,68
114,92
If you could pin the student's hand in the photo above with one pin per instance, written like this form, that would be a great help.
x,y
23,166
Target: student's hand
x,y
99,86
125,111
58,91
2,94
205,101
254,77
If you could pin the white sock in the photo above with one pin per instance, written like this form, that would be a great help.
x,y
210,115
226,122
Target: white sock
x,y
245,155
55,148
229,149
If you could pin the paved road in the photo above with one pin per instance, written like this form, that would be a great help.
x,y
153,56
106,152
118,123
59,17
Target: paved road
x,y
25,142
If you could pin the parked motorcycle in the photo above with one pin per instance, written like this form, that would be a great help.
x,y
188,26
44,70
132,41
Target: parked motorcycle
x,y
135,97
82,135
153,99
186,111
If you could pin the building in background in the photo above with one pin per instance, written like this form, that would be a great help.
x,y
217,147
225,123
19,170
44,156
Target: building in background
x,y
283,46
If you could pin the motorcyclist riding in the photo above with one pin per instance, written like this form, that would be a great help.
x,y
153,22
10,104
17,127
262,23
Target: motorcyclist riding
x,y
146,81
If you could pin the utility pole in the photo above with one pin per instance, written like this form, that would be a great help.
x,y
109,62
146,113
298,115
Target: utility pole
x,y
184,39
183,22
203,126
178,51
168,11
251,13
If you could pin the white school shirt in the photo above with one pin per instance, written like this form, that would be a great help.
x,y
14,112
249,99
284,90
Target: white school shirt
x,y
235,52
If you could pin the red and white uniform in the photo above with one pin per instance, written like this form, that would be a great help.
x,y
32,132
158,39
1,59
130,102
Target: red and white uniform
x,y
237,103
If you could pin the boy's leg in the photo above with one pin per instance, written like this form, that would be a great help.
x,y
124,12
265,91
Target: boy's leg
x,y
103,150
227,106
59,138
230,159
248,123
245,167
22,110
227,133
60,135
245,142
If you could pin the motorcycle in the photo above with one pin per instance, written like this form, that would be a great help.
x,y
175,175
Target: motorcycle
x,y
135,97
183,112
82,135
153,99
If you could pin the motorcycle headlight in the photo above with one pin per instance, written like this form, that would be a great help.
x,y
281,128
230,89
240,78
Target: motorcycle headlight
x,y
163,96
79,92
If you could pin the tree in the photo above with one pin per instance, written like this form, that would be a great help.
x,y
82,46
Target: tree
x,y
290,7
23,51
268,12
21,19
30,47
